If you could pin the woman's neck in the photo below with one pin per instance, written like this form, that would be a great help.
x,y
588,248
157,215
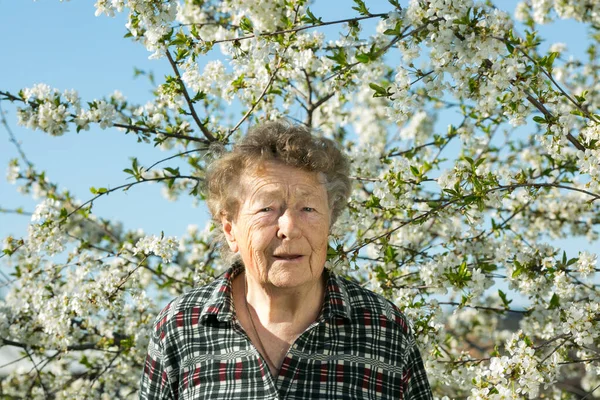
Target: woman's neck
x,y
292,307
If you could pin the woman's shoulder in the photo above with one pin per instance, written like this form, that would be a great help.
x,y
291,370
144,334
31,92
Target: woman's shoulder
x,y
365,303
192,302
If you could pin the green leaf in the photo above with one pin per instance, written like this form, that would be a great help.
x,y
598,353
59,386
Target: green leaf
x,y
550,60
518,270
363,58
415,171
505,301
539,120
361,7
395,3
380,91
172,171
246,25
554,302
310,18
85,362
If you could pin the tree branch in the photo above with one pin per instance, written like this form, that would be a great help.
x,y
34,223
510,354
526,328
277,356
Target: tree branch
x,y
301,28
251,109
188,100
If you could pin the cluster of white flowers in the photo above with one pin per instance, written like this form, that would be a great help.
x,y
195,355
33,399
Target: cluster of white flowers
x,y
541,11
148,19
518,374
214,80
44,232
100,112
586,263
51,111
419,128
266,16
46,110
12,172
581,321
163,247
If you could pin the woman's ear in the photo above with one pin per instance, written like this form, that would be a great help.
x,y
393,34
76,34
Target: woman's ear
x,y
229,231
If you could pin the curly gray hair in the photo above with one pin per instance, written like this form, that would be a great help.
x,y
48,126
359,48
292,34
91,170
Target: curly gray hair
x,y
283,142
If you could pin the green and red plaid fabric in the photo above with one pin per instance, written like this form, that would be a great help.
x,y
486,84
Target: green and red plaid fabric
x,y
360,347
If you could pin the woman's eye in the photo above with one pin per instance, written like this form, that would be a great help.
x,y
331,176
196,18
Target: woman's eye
x,y
309,209
265,209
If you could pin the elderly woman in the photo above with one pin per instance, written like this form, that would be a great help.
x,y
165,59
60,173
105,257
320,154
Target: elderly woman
x,y
277,324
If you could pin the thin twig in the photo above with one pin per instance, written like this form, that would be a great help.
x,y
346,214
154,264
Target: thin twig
x,y
13,361
128,185
38,372
12,137
136,128
174,156
251,109
186,95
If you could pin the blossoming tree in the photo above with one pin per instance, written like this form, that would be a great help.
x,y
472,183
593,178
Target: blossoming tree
x,y
451,224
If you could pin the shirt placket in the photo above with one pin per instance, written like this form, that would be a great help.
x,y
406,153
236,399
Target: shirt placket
x,y
285,381
271,390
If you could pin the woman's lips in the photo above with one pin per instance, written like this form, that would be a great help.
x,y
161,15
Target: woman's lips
x,y
288,257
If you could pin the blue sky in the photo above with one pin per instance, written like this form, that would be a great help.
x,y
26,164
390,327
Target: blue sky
x,y
64,45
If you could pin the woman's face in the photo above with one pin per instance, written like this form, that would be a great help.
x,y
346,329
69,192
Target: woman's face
x,y
282,226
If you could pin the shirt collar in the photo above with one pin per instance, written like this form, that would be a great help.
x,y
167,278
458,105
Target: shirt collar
x,y
336,302
220,302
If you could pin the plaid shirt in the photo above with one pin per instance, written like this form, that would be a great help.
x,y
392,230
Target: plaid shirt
x,y
360,347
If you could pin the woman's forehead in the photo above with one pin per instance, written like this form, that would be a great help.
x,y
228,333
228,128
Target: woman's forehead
x,y
276,179
273,170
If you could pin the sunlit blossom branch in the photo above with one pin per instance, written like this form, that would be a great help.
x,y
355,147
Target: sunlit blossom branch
x,y
556,348
542,185
467,361
300,28
127,127
426,214
188,100
258,100
514,213
385,48
124,186
540,106
494,309
126,277
549,75
136,128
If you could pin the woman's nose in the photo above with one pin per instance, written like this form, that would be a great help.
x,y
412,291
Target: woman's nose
x,y
288,227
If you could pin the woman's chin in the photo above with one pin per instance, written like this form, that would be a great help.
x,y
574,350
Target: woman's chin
x,y
291,274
